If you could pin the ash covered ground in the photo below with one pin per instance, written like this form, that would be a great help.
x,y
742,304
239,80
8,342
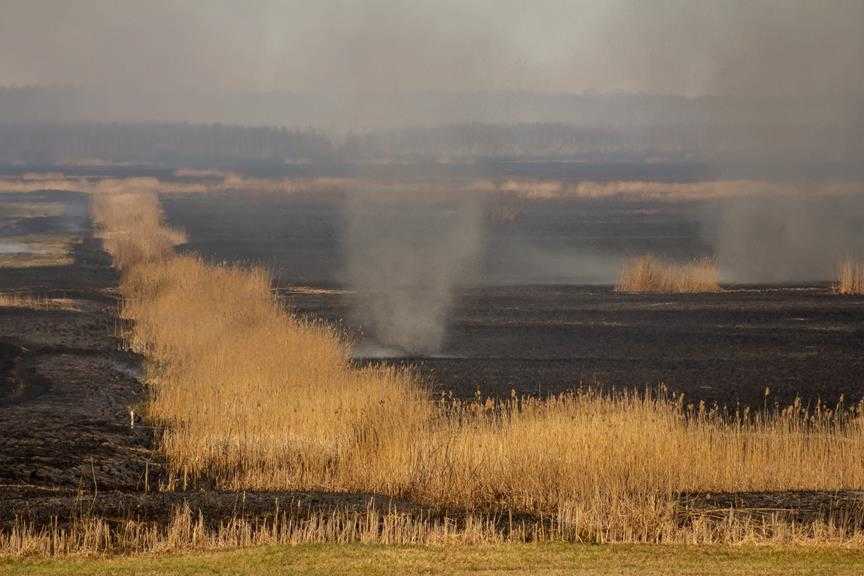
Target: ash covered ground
x,y
547,321
538,314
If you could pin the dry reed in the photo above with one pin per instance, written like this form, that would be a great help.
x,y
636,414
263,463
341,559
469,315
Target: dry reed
x,y
851,278
189,530
16,300
650,274
21,301
251,397
135,233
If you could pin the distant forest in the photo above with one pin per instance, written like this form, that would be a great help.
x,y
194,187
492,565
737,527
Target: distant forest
x,y
67,126
215,144
171,144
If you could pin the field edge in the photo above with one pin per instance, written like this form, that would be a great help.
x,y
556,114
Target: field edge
x,y
548,558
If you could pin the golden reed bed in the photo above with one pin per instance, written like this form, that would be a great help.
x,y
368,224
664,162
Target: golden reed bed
x,y
650,274
252,397
851,278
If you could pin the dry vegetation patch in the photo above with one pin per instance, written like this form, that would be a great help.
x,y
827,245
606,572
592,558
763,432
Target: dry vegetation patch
x,y
851,278
187,531
16,300
252,397
651,274
132,229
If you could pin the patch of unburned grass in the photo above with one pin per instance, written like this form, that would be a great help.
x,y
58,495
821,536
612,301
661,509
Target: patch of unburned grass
x,y
650,274
851,278
539,559
132,229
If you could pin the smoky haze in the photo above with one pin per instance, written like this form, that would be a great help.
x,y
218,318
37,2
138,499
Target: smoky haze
x,y
362,64
776,82
785,239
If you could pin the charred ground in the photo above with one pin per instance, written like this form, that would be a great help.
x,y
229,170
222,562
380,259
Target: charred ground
x,y
540,322
67,448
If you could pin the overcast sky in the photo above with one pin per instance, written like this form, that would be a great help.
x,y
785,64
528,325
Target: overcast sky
x,y
689,47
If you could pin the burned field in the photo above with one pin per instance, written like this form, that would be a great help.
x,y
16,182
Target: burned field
x,y
65,386
550,320
800,342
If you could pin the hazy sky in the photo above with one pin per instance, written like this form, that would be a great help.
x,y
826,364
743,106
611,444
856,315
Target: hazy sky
x,y
662,46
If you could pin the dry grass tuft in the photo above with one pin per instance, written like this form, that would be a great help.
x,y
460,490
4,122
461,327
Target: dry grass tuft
x,y
851,279
650,274
251,397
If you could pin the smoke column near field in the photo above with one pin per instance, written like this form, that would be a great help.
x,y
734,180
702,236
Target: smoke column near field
x,y
786,239
405,258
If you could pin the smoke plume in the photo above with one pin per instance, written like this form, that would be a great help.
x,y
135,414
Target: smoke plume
x,y
786,239
405,258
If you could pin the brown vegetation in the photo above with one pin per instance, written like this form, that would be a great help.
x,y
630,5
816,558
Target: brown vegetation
x,y
851,279
252,397
290,525
14,300
650,274
20,301
135,234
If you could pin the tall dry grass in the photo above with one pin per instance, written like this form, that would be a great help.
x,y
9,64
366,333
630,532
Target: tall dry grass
x,y
851,278
187,530
290,525
650,274
252,397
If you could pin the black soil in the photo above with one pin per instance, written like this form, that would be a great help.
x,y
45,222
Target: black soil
x,y
533,323
796,342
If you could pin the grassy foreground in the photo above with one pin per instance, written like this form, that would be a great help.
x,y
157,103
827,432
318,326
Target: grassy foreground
x,y
331,560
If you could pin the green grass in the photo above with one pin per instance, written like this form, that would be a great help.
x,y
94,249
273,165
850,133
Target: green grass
x,y
333,560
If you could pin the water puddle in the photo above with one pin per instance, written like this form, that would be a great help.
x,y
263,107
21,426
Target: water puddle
x,y
12,247
129,370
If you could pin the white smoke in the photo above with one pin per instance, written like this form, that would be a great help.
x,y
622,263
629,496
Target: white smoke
x,y
405,259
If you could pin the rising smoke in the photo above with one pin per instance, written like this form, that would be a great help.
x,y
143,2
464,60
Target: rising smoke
x,y
791,67
758,82
364,63
792,238
405,258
